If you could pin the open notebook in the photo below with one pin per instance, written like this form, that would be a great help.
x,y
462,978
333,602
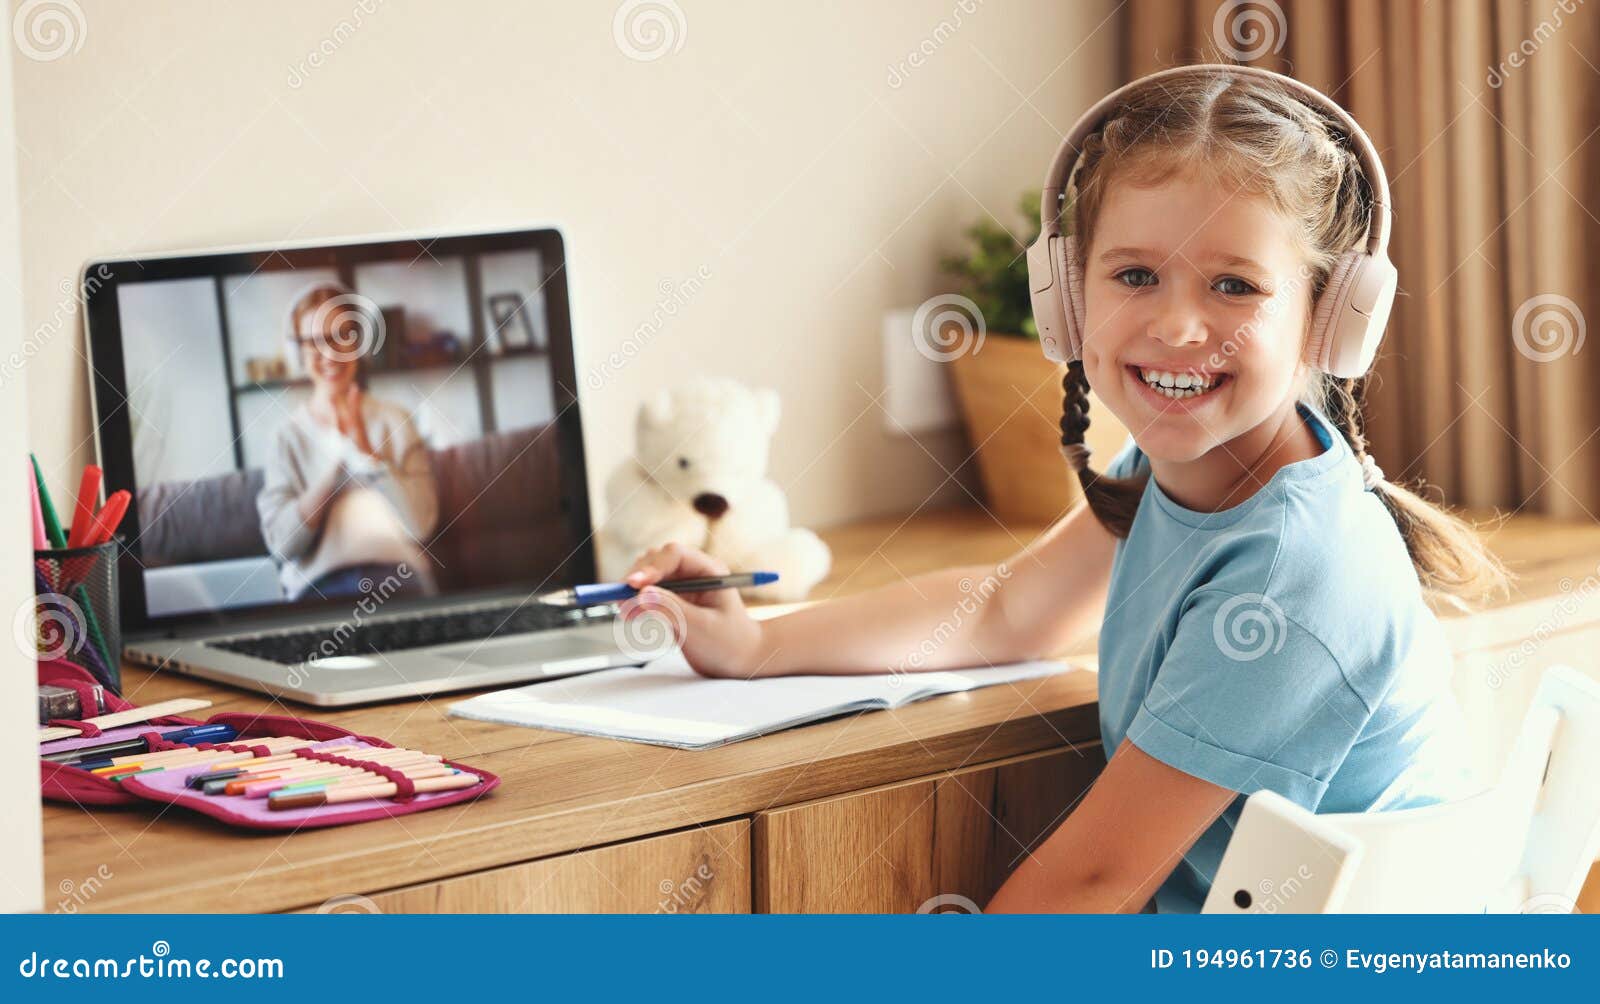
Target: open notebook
x,y
666,703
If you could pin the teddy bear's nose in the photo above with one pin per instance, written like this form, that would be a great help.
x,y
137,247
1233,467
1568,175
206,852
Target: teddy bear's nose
x,y
710,504
683,463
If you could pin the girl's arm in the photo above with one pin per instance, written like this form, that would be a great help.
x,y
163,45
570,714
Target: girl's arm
x,y
1030,605
1120,843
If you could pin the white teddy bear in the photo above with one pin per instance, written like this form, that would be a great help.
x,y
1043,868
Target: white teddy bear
x,y
698,477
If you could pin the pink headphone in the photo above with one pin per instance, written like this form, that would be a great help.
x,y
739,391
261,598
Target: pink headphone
x,y
1348,321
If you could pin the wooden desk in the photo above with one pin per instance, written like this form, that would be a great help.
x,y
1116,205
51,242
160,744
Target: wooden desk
x,y
876,811
880,811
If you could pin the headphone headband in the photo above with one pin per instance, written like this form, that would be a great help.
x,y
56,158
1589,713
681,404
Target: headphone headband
x,y
1066,158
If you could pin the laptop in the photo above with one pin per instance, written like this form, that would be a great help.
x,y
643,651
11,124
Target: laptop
x,y
356,467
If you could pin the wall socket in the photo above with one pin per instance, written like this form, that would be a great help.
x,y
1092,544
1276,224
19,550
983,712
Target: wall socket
x,y
919,398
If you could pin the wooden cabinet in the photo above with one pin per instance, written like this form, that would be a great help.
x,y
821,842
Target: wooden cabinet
x,y
941,843
701,870
944,842
883,811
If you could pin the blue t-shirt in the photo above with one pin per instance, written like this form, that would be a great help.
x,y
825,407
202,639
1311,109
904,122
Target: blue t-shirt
x,y
1282,643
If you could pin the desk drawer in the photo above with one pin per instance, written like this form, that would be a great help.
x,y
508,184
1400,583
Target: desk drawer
x,y
895,849
701,870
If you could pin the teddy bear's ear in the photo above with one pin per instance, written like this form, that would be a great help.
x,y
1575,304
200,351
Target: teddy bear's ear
x,y
656,409
771,407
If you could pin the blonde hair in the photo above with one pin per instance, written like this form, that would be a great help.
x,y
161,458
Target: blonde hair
x,y
1257,136
312,297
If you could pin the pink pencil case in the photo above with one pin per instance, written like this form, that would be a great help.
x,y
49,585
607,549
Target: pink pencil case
x,y
64,783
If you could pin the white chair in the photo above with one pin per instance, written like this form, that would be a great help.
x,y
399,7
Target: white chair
x,y
1523,846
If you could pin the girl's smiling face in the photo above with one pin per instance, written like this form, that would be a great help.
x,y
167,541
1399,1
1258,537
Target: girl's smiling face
x,y
1196,313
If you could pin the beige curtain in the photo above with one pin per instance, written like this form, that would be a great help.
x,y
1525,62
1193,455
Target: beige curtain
x,y
1485,114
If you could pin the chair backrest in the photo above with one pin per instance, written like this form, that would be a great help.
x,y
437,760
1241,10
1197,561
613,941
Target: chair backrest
x,y
1524,845
1564,840
1283,859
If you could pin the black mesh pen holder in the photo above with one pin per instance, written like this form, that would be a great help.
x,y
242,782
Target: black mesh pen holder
x,y
77,609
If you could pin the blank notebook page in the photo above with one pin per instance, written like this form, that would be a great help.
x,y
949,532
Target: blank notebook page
x,y
667,703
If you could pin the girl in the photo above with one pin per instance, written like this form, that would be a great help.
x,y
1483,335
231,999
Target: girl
x,y
349,491
1258,585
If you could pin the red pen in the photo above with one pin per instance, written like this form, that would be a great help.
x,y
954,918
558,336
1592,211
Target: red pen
x,y
83,517
105,524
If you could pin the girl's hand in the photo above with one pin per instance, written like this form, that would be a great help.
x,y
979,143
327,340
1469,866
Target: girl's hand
x,y
718,635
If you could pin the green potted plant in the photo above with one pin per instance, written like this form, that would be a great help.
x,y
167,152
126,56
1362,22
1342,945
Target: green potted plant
x,y
1008,392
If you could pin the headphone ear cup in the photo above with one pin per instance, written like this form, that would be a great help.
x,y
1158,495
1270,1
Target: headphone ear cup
x,y
1046,296
1072,294
1351,315
1325,315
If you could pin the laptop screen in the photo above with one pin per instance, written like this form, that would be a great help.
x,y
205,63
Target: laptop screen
x,y
321,425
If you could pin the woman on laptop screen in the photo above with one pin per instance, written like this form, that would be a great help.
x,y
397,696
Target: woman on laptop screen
x,y
349,493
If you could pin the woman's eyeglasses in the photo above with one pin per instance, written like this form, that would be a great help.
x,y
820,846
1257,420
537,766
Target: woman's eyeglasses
x,y
340,342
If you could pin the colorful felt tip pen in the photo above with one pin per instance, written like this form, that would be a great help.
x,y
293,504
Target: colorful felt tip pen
x,y
84,509
107,519
52,526
41,541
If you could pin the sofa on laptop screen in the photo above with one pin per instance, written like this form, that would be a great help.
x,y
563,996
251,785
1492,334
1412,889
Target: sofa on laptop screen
x,y
499,517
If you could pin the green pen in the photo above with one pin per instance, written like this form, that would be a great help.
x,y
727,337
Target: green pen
x,y
142,770
299,786
93,624
52,526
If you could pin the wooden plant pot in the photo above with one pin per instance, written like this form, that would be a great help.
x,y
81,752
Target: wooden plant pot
x,y
1010,398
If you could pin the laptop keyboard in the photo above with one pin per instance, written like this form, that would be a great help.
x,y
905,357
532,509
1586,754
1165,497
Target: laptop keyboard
x,y
293,647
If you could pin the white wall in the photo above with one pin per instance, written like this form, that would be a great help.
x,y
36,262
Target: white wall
x,y
174,368
21,846
790,150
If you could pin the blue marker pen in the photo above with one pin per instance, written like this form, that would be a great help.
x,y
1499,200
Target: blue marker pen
x,y
616,592
104,755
